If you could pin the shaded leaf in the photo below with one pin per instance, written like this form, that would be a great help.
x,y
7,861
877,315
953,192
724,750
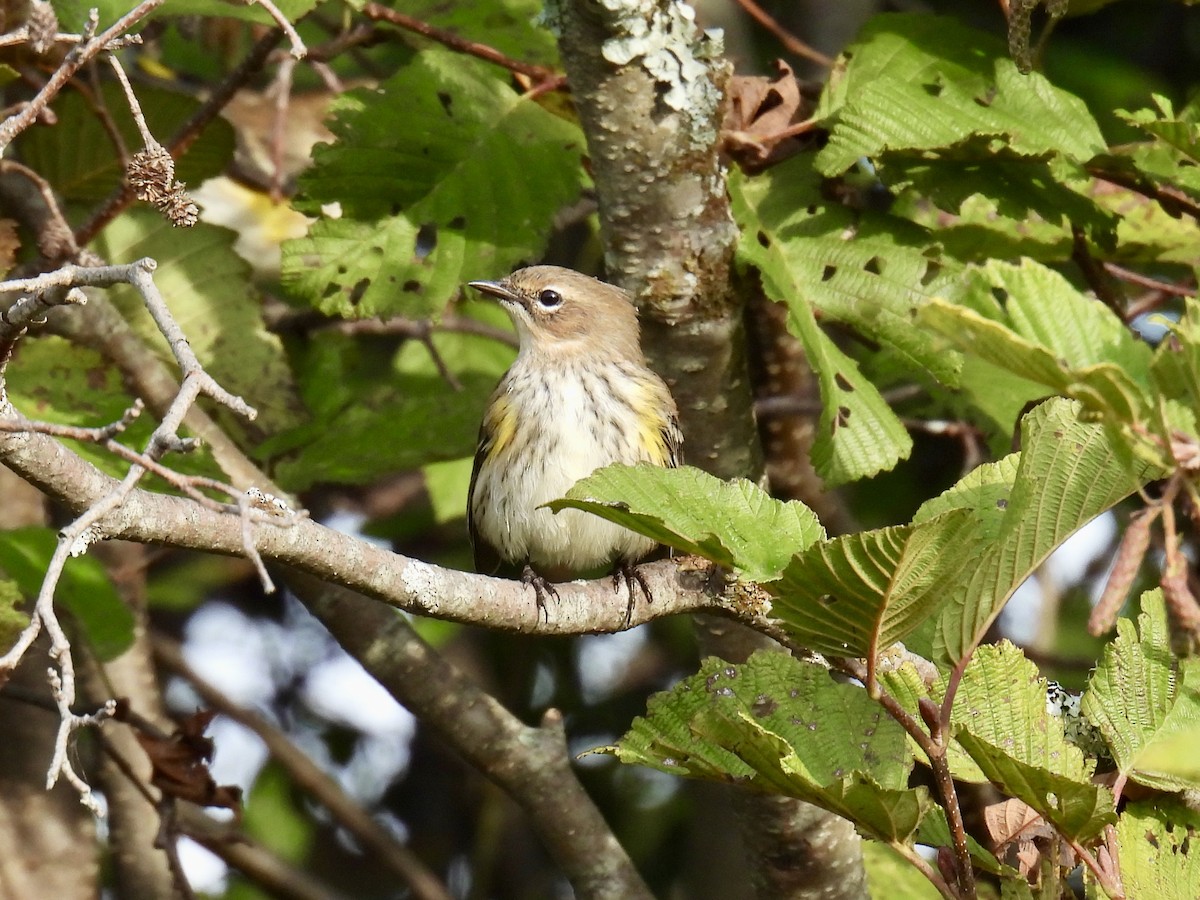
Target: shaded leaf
x,y
84,590
12,619
375,410
206,286
87,167
441,174
999,717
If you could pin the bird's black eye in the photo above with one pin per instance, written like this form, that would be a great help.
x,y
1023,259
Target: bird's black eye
x,y
549,299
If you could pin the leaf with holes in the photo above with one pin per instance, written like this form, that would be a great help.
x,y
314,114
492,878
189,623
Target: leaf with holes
x,y
1159,853
859,435
441,174
785,726
918,83
866,269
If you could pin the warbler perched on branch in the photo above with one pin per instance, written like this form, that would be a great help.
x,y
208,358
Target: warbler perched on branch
x,y
578,397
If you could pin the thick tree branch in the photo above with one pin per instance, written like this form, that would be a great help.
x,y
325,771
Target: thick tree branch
x,y
408,584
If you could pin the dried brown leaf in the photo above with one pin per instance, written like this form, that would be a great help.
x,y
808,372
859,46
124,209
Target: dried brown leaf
x,y
180,764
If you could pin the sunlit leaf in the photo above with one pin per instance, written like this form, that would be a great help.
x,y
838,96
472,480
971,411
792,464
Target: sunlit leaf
x,y
734,523
1146,702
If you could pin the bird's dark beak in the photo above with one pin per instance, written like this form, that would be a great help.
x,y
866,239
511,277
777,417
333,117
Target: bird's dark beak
x,y
497,289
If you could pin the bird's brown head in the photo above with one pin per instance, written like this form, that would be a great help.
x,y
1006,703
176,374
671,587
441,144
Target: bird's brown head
x,y
557,310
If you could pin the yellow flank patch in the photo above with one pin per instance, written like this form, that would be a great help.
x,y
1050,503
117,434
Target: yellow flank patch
x,y
502,425
648,409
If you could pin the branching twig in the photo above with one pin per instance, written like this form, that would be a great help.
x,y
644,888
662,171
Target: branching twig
x,y
42,292
179,142
87,49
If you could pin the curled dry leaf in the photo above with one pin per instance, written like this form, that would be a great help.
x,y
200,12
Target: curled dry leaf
x,y
180,764
765,116
1014,827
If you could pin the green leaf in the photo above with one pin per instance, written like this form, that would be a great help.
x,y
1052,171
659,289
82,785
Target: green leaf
x,y
1176,365
84,590
380,403
206,287
1049,333
441,174
447,484
857,594
858,435
78,157
1181,133
873,281
784,726
999,717
890,875
1030,203
510,26
918,82
273,815
1147,708
54,380
733,523
1158,855
1068,472
12,619
935,832
74,12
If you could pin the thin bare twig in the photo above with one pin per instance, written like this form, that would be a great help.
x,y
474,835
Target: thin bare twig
x,y
308,775
785,37
380,13
298,51
1154,284
48,290
1171,199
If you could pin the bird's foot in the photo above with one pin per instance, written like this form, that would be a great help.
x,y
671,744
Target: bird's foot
x,y
541,589
631,575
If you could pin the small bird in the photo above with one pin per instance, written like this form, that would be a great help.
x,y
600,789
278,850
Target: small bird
x,y
578,397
